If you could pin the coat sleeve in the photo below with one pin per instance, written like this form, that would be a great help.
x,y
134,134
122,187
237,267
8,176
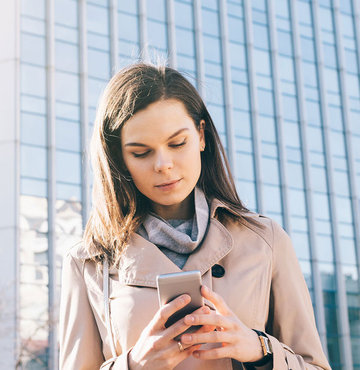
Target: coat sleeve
x,y
291,324
79,337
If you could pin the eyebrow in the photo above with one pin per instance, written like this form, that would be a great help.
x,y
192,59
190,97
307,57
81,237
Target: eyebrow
x,y
169,138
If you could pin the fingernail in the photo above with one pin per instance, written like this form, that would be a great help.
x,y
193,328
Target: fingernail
x,y
187,338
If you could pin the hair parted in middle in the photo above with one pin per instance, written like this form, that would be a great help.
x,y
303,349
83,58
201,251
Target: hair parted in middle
x,y
118,208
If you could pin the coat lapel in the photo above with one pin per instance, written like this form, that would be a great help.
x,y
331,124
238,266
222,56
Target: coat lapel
x,y
143,261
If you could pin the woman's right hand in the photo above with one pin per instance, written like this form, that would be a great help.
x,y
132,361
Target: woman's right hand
x,y
156,347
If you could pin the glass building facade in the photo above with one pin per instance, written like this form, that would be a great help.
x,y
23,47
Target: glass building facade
x,y
281,80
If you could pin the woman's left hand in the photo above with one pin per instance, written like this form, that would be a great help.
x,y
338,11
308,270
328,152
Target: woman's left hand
x,y
237,340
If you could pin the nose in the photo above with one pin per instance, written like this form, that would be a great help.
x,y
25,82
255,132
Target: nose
x,y
163,162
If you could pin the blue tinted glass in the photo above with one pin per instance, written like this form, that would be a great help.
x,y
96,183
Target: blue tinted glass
x,y
241,122
315,139
210,22
290,109
264,82
343,209
128,6
66,12
97,41
293,154
269,149
68,111
129,49
67,135
68,167
272,199
246,191
309,74
128,27
329,55
307,48
33,161
295,177
66,57
157,34
324,248
236,29
156,10
214,90
237,55
34,8
68,192
67,87
33,104
265,102
261,38
286,68
183,15
262,62
240,96
345,7
33,129
211,4
97,19
347,25
244,168
334,117
258,4
341,183
96,87
301,244
325,19
185,42
337,143
66,34
303,12
212,49
282,8
284,43
270,170
318,178
267,128
213,69
259,17
37,188
351,64
98,64
33,80
235,10
352,85
217,115
33,26
313,112
33,49
187,63
354,119
291,134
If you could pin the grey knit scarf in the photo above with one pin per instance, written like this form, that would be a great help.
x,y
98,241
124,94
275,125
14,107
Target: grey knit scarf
x,y
178,238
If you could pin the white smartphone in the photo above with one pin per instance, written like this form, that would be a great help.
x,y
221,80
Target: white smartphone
x,y
171,286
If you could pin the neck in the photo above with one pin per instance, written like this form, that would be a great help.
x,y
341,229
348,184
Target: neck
x,y
183,210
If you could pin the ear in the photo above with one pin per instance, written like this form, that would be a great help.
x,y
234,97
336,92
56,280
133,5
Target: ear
x,y
202,134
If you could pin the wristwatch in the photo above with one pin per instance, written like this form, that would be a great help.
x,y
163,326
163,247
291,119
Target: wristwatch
x,y
265,343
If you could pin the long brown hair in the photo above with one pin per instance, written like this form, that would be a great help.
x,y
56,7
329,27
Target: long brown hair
x,y
118,207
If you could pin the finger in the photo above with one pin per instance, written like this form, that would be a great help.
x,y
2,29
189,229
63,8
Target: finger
x,y
180,326
212,337
216,299
213,320
169,309
212,354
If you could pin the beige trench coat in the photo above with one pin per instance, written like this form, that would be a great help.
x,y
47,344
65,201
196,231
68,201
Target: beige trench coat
x,y
263,284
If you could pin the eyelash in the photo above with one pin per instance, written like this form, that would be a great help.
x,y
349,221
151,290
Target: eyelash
x,y
141,155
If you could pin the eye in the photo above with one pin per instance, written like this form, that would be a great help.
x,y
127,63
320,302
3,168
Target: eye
x,y
179,144
141,155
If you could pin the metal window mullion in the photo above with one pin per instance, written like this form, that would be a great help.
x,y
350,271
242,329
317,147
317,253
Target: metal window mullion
x,y
84,115
253,105
199,48
226,69
113,18
356,11
348,141
17,27
316,276
144,52
279,117
341,298
171,36
51,159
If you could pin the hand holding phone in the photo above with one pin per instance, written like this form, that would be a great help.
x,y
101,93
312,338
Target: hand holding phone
x,y
173,285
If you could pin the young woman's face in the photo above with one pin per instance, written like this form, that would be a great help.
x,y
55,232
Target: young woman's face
x,y
161,149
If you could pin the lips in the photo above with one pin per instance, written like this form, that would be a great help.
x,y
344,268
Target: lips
x,y
169,183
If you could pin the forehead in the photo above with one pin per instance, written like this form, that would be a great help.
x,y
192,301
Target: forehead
x,y
158,120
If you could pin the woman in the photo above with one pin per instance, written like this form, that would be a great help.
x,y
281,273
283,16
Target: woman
x,y
164,201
